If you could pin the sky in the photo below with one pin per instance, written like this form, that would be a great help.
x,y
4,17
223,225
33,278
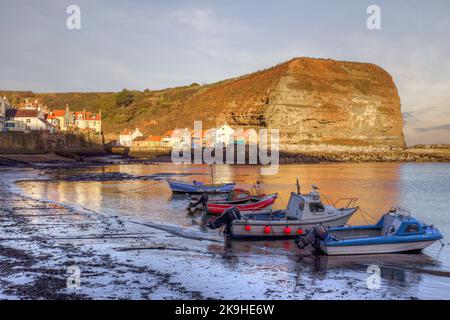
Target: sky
x,y
159,44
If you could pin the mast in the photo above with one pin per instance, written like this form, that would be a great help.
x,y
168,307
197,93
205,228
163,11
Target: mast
x,y
212,175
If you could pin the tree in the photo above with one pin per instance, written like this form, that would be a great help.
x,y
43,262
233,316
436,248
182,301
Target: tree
x,y
124,98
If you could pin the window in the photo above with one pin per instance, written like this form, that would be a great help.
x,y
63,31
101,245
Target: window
x,y
412,228
28,120
10,125
316,207
302,204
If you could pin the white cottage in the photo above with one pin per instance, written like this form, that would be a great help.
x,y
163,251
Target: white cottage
x,y
177,138
26,120
127,136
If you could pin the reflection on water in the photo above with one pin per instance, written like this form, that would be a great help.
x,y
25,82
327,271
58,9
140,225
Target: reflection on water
x,y
423,188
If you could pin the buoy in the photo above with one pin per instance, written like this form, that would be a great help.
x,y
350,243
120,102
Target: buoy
x,y
300,231
266,229
287,230
248,228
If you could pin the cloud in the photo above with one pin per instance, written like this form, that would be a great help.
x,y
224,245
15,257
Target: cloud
x,y
433,128
202,20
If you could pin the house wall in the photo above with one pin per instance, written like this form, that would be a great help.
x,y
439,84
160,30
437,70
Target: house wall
x,y
125,140
32,124
12,125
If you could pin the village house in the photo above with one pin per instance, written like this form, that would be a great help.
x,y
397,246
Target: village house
x,y
26,120
127,136
89,120
197,138
139,142
30,104
66,120
154,141
177,138
209,137
150,142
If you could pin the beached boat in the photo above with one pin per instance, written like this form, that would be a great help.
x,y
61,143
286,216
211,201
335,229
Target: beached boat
x,y
235,196
395,232
303,212
198,187
265,202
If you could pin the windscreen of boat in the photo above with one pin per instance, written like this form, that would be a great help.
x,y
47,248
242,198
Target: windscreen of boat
x,y
316,207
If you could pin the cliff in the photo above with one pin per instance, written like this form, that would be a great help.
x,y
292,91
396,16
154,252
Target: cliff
x,y
311,101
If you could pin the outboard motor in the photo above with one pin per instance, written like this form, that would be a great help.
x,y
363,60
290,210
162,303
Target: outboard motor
x,y
226,218
312,237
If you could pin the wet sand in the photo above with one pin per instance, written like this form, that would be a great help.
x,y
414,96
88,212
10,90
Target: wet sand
x,y
136,257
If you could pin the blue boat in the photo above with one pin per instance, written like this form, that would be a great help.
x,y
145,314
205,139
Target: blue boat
x,y
395,232
198,187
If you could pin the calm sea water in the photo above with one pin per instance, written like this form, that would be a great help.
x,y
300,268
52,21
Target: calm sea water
x,y
423,188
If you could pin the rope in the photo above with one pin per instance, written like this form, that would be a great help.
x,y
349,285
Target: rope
x,y
364,213
137,190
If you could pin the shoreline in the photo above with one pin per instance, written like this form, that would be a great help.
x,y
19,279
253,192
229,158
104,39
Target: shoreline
x,y
305,156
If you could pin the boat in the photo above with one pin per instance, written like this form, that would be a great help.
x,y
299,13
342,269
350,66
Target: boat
x,y
303,211
265,202
395,232
235,196
198,187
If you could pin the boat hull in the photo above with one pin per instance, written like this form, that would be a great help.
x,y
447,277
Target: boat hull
x,y
219,208
376,248
178,187
278,227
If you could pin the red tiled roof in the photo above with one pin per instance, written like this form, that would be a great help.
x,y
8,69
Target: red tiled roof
x,y
88,115
61,113
154,138
56,113
168,133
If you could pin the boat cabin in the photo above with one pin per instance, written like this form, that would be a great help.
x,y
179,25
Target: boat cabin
x,y
396,222
302,206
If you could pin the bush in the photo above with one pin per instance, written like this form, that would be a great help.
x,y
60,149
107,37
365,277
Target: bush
x,y
124,98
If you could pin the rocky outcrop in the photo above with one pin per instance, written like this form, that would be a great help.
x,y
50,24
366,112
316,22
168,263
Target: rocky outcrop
x,y
339,103
311,101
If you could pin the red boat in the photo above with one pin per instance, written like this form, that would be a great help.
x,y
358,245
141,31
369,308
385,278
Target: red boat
x,y
234,197
265,203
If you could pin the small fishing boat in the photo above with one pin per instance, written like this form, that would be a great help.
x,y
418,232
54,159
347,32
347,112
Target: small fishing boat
x,y
395,232
235,196
303,212
265,202
198,187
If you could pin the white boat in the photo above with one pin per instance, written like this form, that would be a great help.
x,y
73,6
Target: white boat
x,y
303,211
